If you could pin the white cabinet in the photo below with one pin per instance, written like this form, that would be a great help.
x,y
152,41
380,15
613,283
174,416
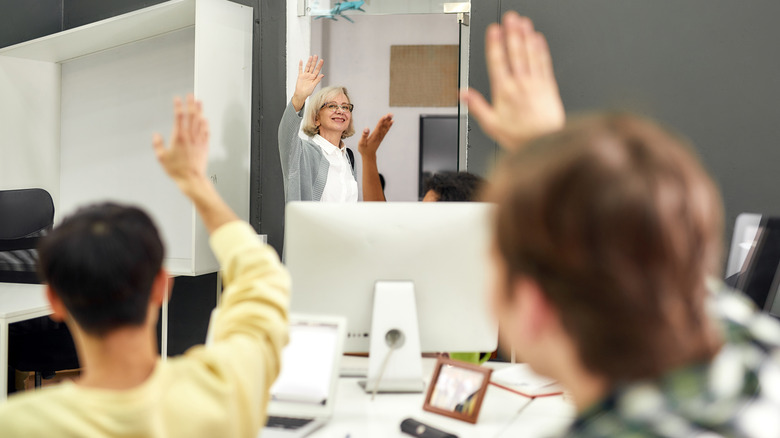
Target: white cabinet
x,y
78,110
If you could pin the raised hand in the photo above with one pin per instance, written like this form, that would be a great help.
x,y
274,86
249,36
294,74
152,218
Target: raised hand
x,y
526,102
185,161
369,143
367,146
186,158
308,78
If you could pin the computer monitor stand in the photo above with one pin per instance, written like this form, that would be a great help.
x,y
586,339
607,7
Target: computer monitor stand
x,y
394,362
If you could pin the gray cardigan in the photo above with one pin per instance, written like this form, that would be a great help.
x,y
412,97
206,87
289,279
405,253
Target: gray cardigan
x,y
304,166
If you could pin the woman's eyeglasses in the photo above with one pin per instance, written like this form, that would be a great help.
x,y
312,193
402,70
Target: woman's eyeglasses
x,y
333,106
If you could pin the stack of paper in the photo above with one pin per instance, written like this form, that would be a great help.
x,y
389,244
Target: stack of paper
x,y
521,379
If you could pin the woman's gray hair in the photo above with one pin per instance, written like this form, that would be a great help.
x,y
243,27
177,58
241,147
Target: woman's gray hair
x,y
319,98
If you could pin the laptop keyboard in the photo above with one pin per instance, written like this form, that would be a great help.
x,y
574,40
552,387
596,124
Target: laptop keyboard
x,y
287,422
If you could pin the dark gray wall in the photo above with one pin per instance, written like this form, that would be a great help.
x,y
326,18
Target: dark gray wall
x,y
80,12
706,68
193,298
271,91
481,149
29,19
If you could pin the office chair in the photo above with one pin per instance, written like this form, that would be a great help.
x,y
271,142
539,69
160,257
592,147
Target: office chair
x,y
25,216
39,345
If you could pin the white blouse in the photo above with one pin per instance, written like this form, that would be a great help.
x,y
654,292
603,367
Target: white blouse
x,y
340,185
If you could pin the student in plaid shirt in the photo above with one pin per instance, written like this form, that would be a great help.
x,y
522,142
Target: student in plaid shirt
x,y
607,230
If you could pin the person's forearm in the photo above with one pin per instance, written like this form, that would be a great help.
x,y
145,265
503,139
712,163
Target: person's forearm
x,y
250,329
210,205
289,141
298,102
372,186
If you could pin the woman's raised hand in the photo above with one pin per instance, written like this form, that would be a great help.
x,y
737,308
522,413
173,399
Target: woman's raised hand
x,y
308,78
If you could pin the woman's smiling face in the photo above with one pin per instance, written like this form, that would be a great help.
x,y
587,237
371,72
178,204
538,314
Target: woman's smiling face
x,y
336,120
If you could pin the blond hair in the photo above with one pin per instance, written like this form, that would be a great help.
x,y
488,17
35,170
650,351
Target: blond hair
x,y
319,98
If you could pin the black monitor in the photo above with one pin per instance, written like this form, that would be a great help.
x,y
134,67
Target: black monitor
x,y
759,277
438,146
772,305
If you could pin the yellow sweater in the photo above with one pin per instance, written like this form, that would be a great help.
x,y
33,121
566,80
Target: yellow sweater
x,y
215,391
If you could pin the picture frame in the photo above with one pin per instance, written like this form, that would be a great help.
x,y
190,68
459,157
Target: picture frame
x,y
457,389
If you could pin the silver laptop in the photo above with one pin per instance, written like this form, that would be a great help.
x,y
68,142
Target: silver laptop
x,y
303,395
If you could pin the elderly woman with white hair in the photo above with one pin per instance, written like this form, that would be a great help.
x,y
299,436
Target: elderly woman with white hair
x,y
320,167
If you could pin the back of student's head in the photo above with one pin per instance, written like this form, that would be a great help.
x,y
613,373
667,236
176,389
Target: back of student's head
x,y
619,224
454,186
101,262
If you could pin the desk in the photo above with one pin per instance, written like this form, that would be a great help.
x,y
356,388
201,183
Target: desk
x,y
18,302
503,413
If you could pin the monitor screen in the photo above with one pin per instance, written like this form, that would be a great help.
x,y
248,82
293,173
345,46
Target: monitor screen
x,y
772,305
774,309
745,229
438,146
307,364
759,272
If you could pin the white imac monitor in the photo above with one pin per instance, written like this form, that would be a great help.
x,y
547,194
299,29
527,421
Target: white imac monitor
x,y
336,253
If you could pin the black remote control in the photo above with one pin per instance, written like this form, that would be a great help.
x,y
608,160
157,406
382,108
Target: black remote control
x,y
413,427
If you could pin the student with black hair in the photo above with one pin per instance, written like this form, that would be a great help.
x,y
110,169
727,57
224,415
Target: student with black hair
x,y
105,279
453,187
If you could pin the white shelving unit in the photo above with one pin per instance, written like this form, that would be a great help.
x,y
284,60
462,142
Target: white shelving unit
x,y
78,110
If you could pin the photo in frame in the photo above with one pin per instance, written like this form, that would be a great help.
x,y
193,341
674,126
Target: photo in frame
x,y
457,389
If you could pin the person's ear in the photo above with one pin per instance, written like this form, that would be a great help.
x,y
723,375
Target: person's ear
x,y
534,311
162,286
59,312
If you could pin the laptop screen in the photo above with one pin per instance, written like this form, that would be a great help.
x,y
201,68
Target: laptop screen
x,y
307,364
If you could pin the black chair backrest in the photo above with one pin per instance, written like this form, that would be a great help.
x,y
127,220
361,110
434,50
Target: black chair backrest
x,y
24,212
25,216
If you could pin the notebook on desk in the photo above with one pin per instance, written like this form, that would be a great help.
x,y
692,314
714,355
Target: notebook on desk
x,y
521,379
303,396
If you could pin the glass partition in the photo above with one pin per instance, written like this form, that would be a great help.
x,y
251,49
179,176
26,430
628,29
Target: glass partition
x,y
373,7
407,58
